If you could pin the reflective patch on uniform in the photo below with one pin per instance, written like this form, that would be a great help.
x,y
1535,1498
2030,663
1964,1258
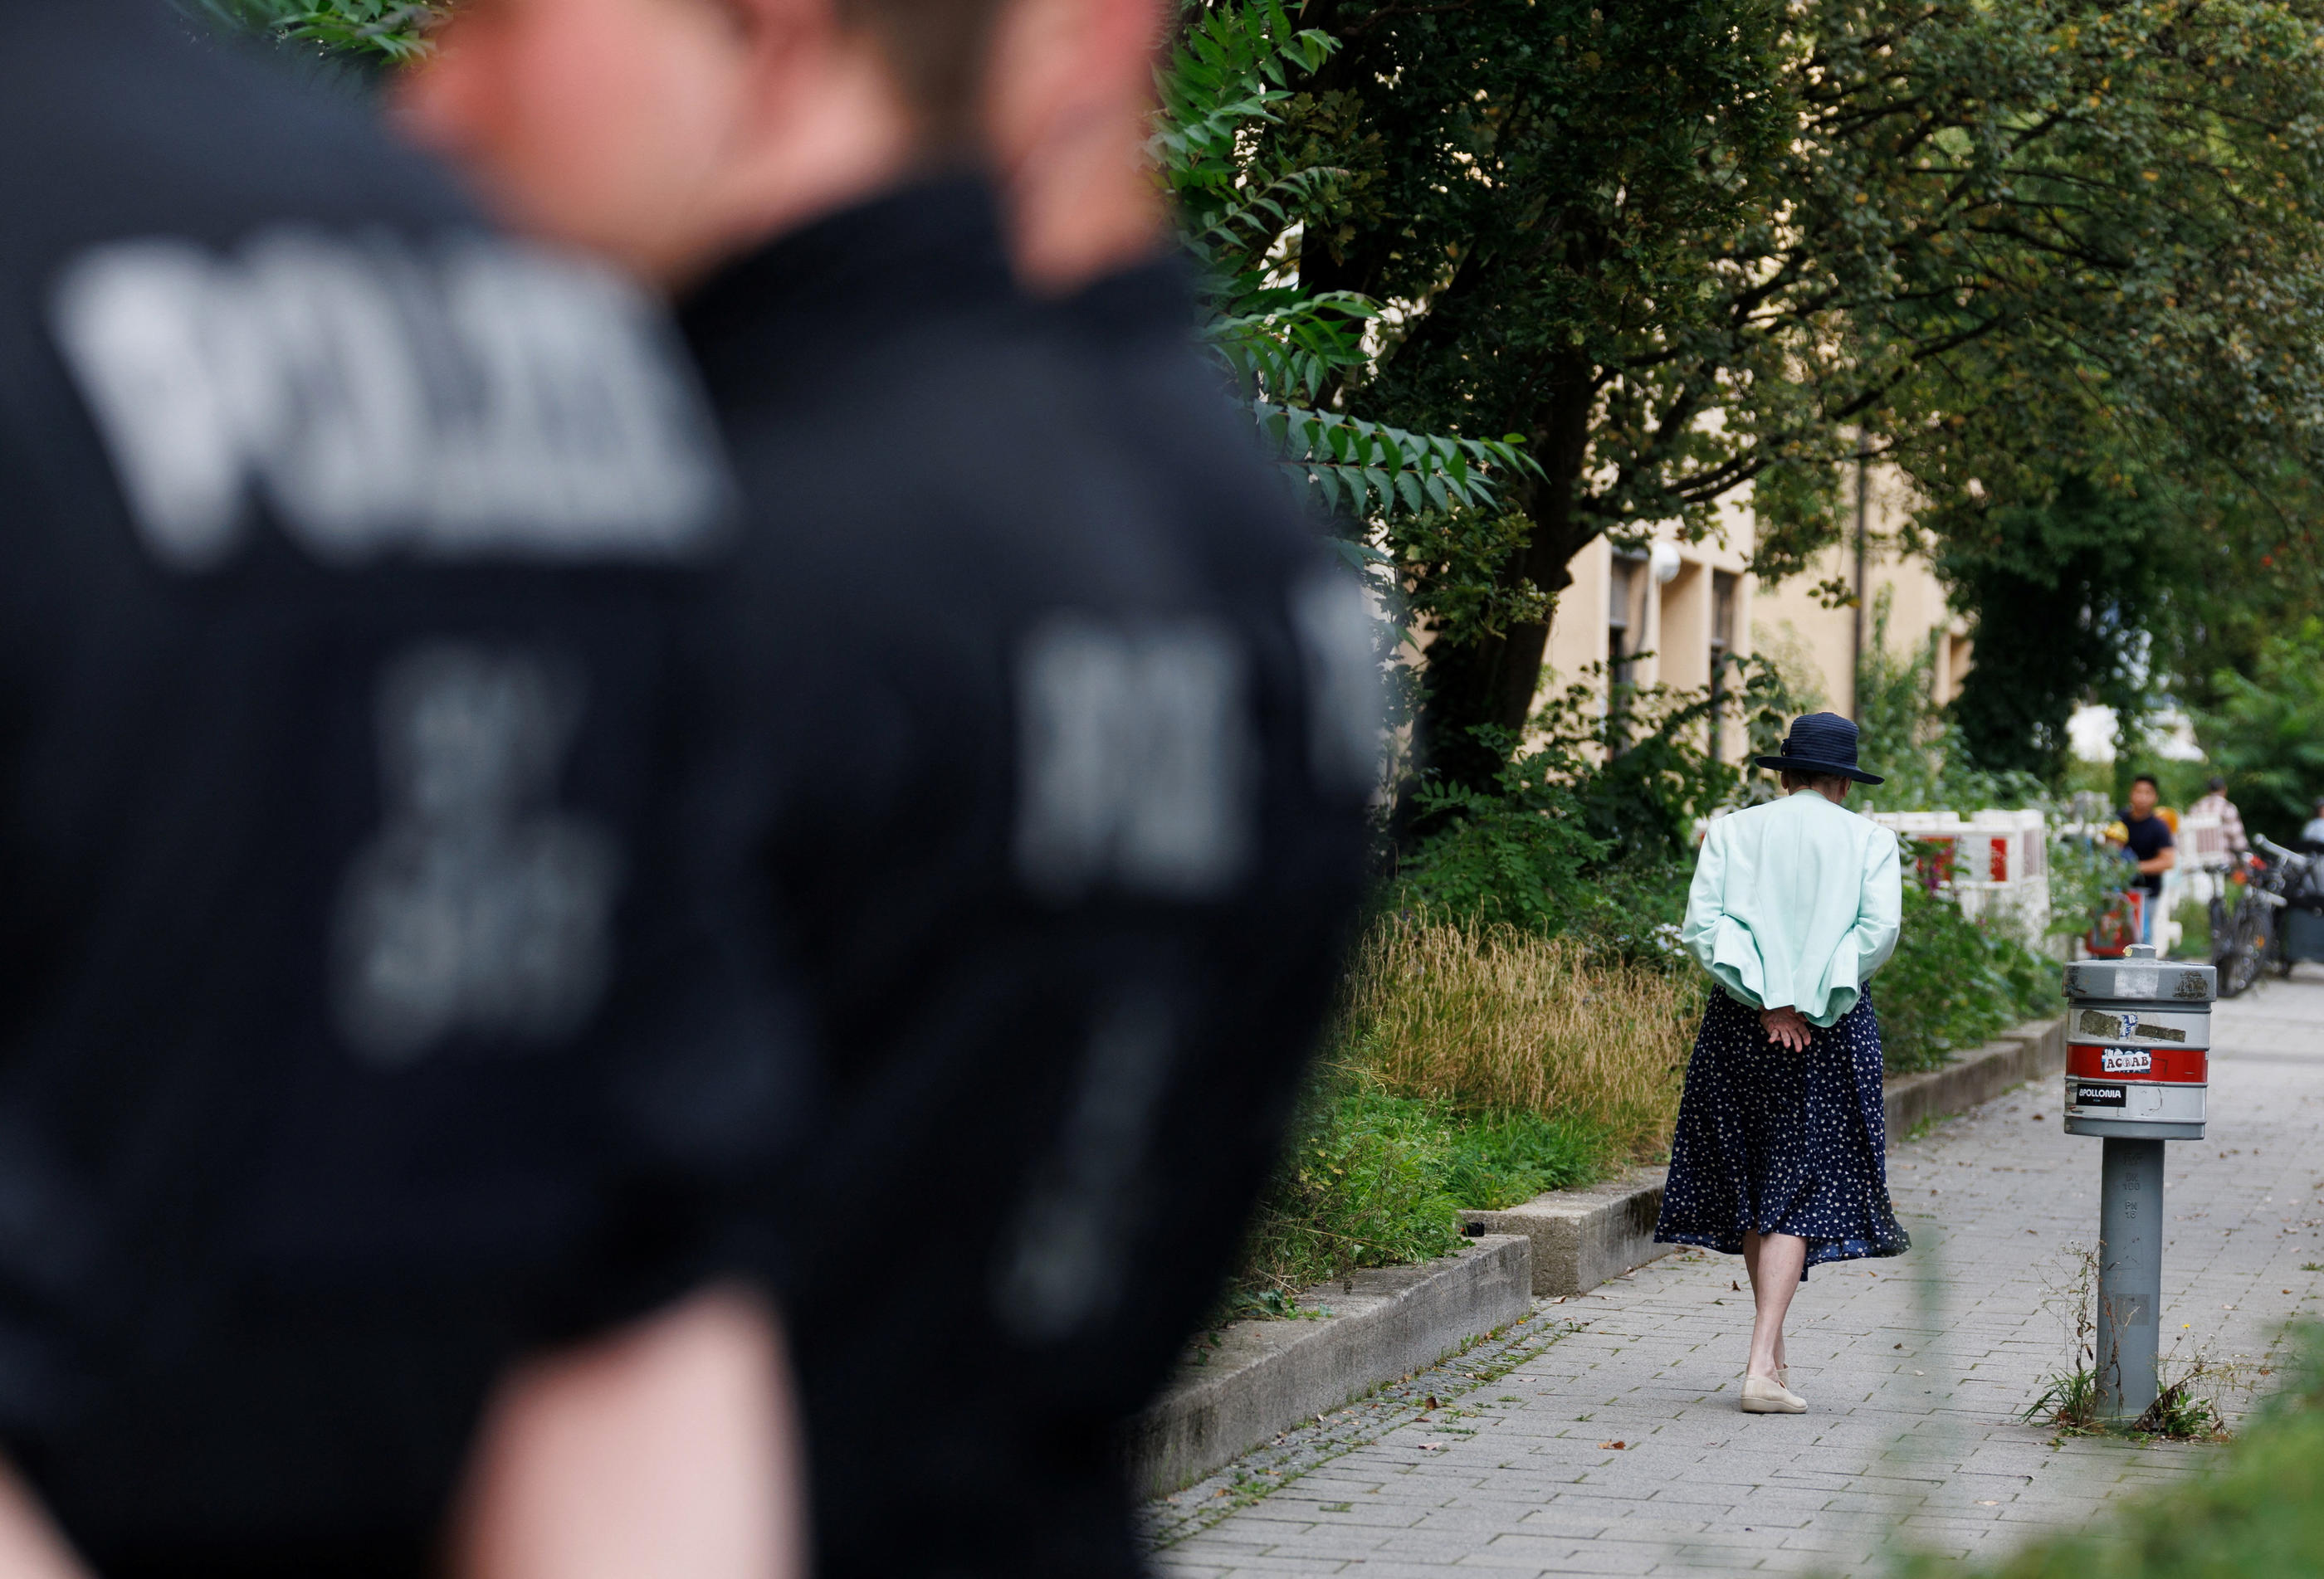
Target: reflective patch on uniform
x,y
479,907
1063,1264
471,400
1135,759
1346,707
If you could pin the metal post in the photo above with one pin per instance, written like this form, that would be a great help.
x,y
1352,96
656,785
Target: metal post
x,y
2130,1274
1863,532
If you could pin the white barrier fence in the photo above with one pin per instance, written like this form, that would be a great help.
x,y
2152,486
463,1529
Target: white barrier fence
x,y
1996,863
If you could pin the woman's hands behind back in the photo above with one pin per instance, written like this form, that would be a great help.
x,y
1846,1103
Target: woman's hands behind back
x,y
1785,1027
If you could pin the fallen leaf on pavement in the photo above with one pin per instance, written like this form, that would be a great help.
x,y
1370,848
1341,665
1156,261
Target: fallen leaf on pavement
x,y
1616,1446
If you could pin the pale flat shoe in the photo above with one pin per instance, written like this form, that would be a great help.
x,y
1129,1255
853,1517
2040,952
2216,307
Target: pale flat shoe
x,y
1765,1396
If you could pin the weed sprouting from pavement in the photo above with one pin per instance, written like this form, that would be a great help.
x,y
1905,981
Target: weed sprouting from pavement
x,y
2186,1407
2069,1399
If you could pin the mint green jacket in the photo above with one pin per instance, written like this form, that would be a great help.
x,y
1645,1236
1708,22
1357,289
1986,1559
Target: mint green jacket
x,y
1795,903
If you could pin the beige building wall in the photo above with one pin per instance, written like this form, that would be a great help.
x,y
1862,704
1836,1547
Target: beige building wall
x,y
1681,602
1814,646
1658,615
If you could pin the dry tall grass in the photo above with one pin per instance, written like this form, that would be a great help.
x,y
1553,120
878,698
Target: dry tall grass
x,y
1494,1017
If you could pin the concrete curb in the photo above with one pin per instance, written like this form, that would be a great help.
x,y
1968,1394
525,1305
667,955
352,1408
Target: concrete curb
x,y
1266,1376
2033,1049
1582,1237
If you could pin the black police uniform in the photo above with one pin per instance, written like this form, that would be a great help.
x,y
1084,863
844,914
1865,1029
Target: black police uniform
x,y
1052,809
1276,951
368,1019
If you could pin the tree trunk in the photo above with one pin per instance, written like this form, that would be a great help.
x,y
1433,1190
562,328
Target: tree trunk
x,y
1492,680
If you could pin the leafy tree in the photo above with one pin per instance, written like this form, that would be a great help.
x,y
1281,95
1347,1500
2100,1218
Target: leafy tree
x,y
2251,569
2267,731
1241,199
1911,743
1686,246
2066,593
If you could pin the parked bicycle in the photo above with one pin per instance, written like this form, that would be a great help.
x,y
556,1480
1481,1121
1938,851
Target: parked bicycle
x,y
2292,886
2243,926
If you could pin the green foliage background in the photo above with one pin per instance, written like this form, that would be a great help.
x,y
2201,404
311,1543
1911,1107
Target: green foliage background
x,y
1374,1179
2267,731
392,32
1682,247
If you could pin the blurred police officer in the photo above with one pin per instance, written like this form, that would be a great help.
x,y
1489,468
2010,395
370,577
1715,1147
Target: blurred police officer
x,y
370,1047
1067,775
1067,104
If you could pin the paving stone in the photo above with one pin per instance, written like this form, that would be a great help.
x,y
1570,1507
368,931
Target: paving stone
x,y
1653,1360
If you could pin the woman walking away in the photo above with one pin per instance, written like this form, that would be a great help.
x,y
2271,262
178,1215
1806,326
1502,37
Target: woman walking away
x,y
1778,1153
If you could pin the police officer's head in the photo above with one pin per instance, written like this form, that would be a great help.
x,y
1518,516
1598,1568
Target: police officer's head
x,y
671,134
1067,101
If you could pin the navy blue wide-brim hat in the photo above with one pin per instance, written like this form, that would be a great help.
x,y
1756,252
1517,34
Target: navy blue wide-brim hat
x,y
1820,742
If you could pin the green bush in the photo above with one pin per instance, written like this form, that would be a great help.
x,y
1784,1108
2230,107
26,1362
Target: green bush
x,y
1501,1159
1954,983
2194,919
1516,853
1361,1184
1590,830
1374,1179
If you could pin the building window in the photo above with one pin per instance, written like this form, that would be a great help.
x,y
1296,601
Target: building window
x,y
1621,645
1621,600
1723,645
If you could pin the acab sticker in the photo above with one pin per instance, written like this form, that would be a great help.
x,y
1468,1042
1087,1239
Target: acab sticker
x,y
2124,1061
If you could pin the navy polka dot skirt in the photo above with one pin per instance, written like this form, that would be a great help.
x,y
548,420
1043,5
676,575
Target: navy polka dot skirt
x,y
1774,1141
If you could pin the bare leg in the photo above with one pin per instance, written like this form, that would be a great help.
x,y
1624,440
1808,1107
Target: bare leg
x,y
30,1546
1775,1262
667,1450
1751,1274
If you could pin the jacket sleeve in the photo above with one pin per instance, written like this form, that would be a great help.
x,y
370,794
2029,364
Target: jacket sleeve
x,y
1880,912
1723,944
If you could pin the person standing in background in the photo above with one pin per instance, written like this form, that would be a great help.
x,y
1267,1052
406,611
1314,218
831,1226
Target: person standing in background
x,y
2151,846
1779,1153
2215,803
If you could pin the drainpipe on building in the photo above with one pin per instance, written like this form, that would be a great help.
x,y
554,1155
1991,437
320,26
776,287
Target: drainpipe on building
x,y
1863,513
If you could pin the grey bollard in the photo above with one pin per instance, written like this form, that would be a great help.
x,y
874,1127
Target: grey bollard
x,y
2139,1044
2130,1275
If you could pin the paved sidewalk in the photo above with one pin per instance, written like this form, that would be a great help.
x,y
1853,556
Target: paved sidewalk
x,y
1915,1369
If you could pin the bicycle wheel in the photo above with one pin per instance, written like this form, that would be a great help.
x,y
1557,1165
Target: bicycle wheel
x,y
2247,949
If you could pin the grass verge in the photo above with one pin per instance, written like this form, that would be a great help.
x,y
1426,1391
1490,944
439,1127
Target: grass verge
x,y
1472,1067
